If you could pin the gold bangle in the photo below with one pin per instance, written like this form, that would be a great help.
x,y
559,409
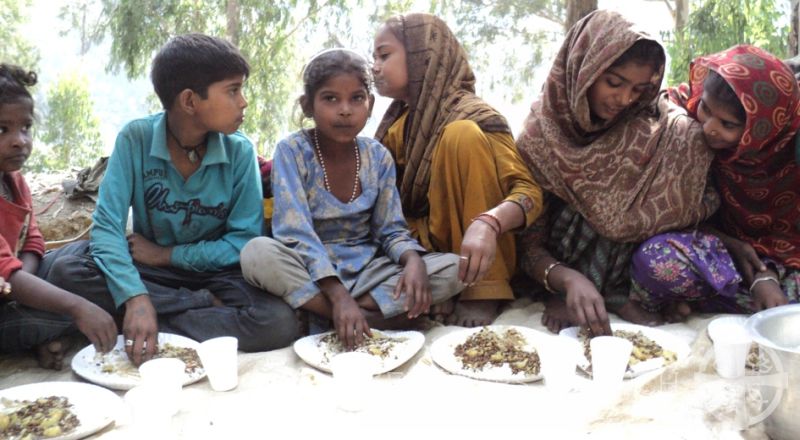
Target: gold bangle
x,y
547,274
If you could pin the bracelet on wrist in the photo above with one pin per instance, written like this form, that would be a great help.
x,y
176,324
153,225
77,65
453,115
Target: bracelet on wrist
x,y
547,275
764,278
494,218
493,227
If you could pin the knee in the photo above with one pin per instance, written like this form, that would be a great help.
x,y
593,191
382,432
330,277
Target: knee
x,y
273,328
257,255
446,270
647,252
286,327
450,263
66,272
257,248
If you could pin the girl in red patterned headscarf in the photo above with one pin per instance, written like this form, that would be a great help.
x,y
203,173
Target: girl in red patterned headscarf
x,y
749,104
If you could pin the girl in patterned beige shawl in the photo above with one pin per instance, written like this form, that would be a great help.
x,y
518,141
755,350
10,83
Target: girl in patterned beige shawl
x,y
618,163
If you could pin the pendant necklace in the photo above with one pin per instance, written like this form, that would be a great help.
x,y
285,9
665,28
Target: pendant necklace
x,y
190,150
325,172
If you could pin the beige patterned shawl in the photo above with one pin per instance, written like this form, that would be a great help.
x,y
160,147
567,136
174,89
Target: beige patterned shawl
x,y
633,177
441,90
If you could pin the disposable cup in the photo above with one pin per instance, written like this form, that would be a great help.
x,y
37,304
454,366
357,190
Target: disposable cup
x,y
353,374
221,362
731,345
558,356
610,357
167,375
151,415
722,324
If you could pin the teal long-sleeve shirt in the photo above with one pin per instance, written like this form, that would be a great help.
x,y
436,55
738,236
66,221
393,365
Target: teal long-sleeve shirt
x,y
206,219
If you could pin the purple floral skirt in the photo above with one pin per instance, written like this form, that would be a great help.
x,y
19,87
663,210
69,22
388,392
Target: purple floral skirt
x,y
696,268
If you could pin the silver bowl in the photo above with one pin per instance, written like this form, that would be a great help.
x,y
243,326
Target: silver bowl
x,y
777,332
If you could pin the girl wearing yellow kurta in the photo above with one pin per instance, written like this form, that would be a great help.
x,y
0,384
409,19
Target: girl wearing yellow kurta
x,y
462,183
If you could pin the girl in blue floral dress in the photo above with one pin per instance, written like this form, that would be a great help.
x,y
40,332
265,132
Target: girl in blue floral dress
x,y
341,246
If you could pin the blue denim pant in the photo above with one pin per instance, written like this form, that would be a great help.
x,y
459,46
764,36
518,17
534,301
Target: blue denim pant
x,y
23,328
183,300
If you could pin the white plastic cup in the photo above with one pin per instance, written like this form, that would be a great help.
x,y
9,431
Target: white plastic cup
x,y
559,357
167,375
221,362
731,346
353,374
610,357
151,416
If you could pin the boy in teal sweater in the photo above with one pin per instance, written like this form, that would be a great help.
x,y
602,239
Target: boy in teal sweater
x,y
193,184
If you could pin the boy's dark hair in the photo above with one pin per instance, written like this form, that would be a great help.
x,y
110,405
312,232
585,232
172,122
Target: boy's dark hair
x,y
194,61
716,86
643,52
14,83
329,63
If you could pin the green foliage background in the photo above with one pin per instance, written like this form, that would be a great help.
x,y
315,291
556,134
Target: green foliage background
x,y
515,35
268,34
15,47
67,129
69,132
716,25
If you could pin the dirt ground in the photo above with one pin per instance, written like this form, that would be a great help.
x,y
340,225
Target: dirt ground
x,y
60,218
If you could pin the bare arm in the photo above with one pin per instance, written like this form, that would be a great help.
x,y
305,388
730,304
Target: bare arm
x,y
348,320
30,262
510,215
91,320
479,246
585,305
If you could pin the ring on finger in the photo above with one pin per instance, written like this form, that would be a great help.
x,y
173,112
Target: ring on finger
x,y
129,342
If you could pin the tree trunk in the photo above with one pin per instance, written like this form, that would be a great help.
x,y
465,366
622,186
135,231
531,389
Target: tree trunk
x,y
577,9
84,31
681,13
794,35
232,15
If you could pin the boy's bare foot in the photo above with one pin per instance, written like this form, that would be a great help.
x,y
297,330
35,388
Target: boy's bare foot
x,y
633,312
677,311
440,312
51,354
474,313
555,316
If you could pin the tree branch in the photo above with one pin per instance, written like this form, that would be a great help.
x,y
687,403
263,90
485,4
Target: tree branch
x,y
291,32
671,8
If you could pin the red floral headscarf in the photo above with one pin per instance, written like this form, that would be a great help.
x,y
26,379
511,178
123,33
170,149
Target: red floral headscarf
x,y
759,180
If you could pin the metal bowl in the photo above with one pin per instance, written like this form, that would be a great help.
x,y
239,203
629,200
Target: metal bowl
x,y
777,332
